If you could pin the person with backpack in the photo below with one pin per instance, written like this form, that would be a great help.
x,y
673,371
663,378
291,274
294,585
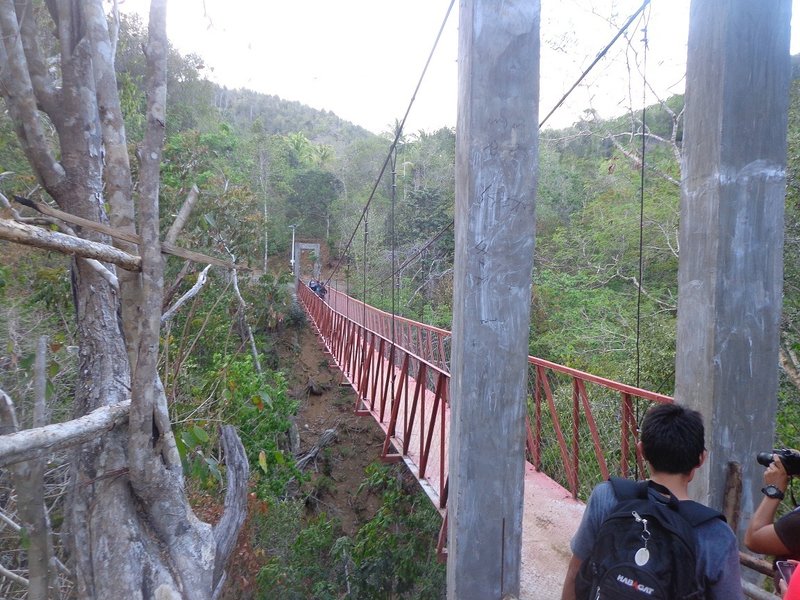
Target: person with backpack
x,y
647,539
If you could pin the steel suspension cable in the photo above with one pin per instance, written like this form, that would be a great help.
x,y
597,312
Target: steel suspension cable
x,y
398,133
364,287
642,171
411,258
597,58
393,237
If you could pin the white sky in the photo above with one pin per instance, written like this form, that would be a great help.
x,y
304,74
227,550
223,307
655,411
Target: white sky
x,y
362,59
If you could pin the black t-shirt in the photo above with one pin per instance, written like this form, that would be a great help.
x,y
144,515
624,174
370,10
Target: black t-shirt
x,y
788,530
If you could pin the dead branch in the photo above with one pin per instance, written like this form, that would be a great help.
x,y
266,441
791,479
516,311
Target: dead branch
x,y
789,364
326,439
201,281
38,442
637,160
227,530
633,279
13,576
248,329
104,272
183,216
118,234
66,244
173,289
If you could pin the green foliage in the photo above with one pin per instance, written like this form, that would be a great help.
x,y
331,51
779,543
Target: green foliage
x,y
308,569
5,273
259,407
392,554
52,287
194,448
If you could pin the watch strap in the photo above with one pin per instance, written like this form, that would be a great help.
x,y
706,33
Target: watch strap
x,y
772,491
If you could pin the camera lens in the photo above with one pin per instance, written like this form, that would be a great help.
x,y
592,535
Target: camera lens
x,y
764,458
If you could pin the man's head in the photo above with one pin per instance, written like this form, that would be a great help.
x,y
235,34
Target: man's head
x,y
673,438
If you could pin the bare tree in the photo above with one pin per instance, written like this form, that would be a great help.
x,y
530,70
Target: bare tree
x,y
132,531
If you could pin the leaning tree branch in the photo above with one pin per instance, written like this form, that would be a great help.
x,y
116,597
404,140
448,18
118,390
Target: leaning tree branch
x,y
66,244
13,576
242,307
183,215
201,281
227,530
788,363
18,91
170,292
637,160
104,273
38,442
118,234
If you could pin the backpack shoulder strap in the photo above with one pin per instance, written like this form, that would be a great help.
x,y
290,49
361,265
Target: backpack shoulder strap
x,y
696,513
626,489
693,512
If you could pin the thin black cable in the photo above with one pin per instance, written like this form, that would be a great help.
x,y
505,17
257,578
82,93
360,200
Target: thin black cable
x,y
600,55
396,139
392,235
411,258
364,287
641,229
641,211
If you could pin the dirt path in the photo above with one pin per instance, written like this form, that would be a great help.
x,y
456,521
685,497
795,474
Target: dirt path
x,y
327,403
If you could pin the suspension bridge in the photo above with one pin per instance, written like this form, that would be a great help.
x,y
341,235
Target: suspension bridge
x,y
399,369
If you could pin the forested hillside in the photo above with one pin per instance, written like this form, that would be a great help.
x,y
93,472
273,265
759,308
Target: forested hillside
x,y
239,171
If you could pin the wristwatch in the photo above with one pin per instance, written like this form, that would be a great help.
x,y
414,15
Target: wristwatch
x,y
772,491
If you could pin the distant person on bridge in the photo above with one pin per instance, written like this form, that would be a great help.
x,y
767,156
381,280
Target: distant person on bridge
x,y
673,444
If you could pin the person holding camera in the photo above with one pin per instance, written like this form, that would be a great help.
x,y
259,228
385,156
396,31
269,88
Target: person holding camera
x,y
764,534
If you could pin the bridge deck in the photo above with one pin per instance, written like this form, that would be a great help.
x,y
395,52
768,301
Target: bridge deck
x,y
550,518
550,515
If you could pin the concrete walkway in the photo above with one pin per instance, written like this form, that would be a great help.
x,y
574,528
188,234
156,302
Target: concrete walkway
x,y
550,518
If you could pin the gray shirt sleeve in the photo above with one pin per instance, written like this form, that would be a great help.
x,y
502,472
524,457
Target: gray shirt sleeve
x,y
600,504
718,554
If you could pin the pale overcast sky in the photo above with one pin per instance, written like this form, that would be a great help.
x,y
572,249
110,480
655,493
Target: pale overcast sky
x,y
361,59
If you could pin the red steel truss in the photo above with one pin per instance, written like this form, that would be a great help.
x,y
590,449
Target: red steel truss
x,y
399,369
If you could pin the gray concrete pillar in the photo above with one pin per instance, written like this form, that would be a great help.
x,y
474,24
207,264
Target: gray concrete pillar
x,y
731,233
496,175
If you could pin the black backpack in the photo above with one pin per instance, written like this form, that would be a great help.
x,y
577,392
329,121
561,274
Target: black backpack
x,y
645,548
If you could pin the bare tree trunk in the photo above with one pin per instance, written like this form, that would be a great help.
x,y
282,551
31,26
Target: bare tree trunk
x,y
28,478
132,531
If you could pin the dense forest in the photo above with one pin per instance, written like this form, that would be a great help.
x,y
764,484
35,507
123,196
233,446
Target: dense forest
x,y
254,169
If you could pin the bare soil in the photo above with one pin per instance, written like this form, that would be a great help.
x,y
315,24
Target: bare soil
x,y
326,401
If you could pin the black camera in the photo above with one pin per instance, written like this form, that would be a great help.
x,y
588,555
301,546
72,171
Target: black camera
x,y
790,459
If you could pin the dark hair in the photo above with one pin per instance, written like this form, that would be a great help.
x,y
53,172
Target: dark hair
x,y
673,438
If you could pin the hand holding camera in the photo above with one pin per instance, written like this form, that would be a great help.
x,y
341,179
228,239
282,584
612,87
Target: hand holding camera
x,y
789,458
781,464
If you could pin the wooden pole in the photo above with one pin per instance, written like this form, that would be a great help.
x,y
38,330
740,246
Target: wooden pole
x,y
496,176
730,273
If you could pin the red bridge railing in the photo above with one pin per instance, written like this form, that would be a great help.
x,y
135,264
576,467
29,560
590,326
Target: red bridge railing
x,y
580,428
426,341
406,393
